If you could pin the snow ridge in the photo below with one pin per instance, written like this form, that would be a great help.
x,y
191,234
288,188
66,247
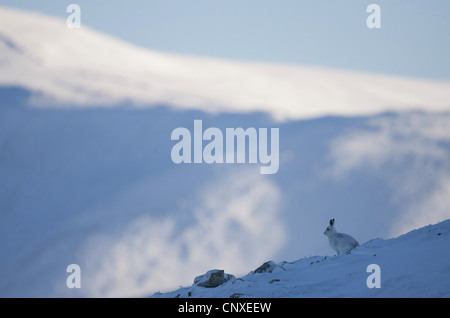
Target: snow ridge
x,y
416,264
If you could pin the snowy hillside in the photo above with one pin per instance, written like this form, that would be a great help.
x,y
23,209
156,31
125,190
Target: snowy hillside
x,y
85,68
416,264
86,175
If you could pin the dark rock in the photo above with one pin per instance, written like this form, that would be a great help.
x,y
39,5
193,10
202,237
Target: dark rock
x,y
213,278
267,267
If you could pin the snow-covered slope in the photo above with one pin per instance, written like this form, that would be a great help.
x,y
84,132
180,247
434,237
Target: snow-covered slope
x,y
83,67
416,264
97,187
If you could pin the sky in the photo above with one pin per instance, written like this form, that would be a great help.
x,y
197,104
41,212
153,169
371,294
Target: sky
x,y
413,39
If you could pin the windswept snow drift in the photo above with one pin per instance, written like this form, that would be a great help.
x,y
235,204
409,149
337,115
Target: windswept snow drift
x,y
416,264
85,68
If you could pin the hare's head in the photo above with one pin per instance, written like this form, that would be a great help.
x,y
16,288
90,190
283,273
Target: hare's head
x,y
330,228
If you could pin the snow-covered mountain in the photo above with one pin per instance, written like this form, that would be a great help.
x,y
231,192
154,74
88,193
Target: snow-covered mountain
x,y
415,264
83,67
86,175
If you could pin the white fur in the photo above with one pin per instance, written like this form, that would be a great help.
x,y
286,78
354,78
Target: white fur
x,y
340,242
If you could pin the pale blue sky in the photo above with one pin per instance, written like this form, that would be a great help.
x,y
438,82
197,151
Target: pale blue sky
x,y
413,40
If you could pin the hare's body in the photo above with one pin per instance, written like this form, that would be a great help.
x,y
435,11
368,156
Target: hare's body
x,y
340,242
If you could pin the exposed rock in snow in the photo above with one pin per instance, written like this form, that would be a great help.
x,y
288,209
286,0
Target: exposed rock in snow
x,y
268,267
213,278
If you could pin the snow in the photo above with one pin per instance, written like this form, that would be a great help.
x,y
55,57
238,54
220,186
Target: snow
x,y
86,175
84,68
416,264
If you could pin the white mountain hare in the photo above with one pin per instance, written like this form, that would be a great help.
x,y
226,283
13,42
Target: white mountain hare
x,y
340,242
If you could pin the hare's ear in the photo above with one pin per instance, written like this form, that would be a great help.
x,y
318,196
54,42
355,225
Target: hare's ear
x,y
331,222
